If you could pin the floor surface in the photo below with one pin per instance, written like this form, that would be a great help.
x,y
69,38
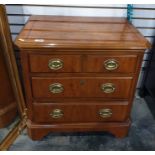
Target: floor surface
x,y
5,131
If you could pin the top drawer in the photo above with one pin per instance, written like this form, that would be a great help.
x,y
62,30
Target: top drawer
x,y
111,63
55,63
83,63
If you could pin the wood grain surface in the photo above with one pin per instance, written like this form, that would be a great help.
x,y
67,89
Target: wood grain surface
x,y
83,44
80,32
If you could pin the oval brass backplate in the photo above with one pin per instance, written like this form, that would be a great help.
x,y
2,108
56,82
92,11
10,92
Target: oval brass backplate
x,y
55,64
56,88
111,64
105,113
56,113
108,88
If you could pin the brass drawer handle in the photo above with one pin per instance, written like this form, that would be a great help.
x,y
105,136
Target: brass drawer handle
x,y
105,113
111,64
55,64
108,88
56,113
56,88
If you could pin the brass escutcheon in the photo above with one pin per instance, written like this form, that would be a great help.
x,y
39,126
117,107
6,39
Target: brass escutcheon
x,y
56,113
108,88
105,113
56,88
111,64
55,64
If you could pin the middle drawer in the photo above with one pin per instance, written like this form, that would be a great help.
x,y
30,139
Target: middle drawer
x,y
56,87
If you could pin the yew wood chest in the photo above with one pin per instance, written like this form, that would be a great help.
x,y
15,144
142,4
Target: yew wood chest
x,y
80,73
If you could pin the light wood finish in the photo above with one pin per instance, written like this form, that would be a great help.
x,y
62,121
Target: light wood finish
x,y
82,87
96,63
74,97
74,32
37,131
75,112
7,50
82,63
71,63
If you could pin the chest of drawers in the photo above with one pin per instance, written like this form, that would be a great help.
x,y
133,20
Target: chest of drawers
x,y
79,73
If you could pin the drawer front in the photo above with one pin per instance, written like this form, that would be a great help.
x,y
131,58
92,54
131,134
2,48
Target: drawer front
x,y
79,112
55,63
114,64
107,87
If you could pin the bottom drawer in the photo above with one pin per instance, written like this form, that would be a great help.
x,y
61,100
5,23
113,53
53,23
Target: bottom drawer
x,y
79,112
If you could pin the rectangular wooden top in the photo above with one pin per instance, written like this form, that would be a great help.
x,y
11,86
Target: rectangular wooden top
x,y
80,33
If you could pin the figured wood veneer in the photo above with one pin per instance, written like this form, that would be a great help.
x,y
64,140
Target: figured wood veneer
x,y
83,44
